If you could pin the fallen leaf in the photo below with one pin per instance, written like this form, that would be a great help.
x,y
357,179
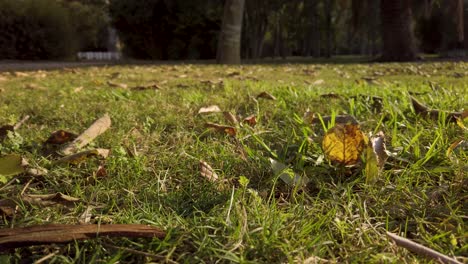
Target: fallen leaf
x,y
49,199
84,155
97,128
433,114
10,165
20,74
379,148
222,128
251,120
209,109
286,174
119,85
7,208
318,82
266,95
85,217
78,89
101,171
11,238
152,86
459,143
207,172
331,96
32,86
60,137
344,144
230,118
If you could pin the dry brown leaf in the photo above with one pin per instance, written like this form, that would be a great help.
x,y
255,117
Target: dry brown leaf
x,y
207,172
378,145
85,217
433,114
222,128
78,89
97,128
209,109
20,74
11,238
49,199
7,208
119,85
60,137
151,86
331,96
33,86
230,118
266,95
251,120
84,155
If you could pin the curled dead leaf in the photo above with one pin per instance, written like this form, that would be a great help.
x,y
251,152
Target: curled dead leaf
x,y
230,118
60,137
49,199
152,86
222,128
207,172
118,85
421,109
266,95
251,120
379,148
84,155
209,109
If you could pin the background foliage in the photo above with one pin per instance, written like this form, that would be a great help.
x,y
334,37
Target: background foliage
x,y
47,29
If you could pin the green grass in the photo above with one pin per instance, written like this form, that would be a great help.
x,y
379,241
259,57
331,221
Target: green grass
x,y
421,193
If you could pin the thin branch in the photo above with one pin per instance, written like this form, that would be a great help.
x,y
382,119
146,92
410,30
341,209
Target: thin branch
x,y
422,250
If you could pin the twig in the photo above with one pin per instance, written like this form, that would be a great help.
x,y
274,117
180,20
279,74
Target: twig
x,y
21,122
422,250
46,257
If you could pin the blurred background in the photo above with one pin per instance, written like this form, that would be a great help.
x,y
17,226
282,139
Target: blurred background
x,y
189,30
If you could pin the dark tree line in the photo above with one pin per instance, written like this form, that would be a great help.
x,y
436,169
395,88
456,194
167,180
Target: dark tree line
x,y
230,29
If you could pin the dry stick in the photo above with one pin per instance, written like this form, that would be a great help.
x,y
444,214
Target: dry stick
x,y
422,250
55,233
21,122
98,127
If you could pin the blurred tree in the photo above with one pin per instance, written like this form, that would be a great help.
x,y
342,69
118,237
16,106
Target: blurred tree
x,y
35,29
230,37
397,32
167,29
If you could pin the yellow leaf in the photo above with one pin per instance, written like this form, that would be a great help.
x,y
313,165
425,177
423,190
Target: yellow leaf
x,y
10,165
344,144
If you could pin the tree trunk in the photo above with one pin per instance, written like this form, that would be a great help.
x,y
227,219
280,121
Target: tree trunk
x,y
397,31
229,41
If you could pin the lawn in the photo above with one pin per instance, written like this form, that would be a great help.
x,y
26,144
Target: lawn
x,y
213,189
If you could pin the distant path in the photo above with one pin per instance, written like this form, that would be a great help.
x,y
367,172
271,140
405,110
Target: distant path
x,y
48,65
